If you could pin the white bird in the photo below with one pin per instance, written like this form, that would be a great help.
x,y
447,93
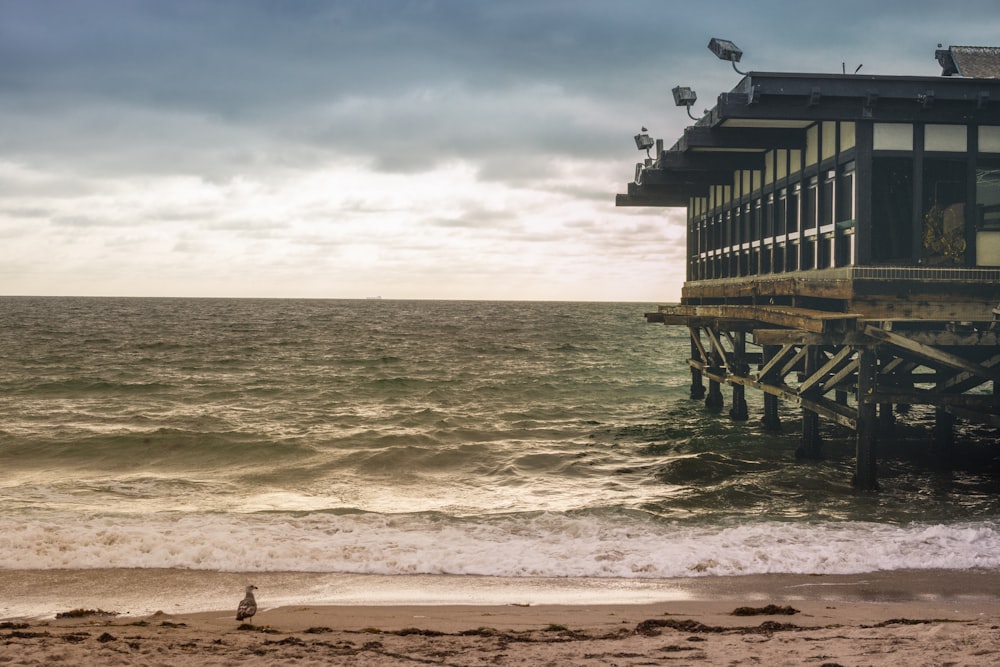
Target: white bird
x,y
248,605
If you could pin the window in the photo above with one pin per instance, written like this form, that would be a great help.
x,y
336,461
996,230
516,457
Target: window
x,y
793,208
779,212
892,209
758,230
944,200
988,195
845,194
768,214
826,209
745,229
809,205
808,260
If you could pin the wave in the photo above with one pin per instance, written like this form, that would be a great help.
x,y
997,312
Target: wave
x,y
588,544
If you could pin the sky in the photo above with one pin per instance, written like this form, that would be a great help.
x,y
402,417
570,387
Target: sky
x,y
411,149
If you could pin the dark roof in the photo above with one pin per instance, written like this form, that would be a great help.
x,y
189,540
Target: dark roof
x,y
974,62
768,110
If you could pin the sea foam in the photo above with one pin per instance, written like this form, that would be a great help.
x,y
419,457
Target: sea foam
x,y
537,545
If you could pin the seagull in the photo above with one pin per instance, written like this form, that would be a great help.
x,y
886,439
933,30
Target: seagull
x,y
248,605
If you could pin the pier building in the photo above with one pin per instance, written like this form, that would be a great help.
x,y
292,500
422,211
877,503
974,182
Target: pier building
x,y
843,246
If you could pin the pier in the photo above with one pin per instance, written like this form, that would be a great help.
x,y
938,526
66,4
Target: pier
x,y
843,247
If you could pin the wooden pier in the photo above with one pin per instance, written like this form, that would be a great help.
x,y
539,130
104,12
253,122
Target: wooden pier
x,y
843,248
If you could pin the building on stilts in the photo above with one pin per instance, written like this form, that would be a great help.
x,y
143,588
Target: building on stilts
x,y
843,246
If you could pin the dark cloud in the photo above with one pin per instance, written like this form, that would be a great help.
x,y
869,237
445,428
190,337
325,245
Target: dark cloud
x,y
200,126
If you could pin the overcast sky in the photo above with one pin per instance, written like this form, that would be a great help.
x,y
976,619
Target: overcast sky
x,y
438,149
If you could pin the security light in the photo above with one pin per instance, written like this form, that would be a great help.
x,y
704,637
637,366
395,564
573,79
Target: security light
x,y
643,141
726,50
685,97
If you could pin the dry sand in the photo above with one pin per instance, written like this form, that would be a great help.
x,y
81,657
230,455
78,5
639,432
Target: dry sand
x,y
913,619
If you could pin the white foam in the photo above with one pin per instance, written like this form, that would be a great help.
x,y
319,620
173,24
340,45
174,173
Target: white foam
x,y
543,545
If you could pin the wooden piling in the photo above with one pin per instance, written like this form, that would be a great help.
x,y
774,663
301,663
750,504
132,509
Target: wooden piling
x,y
739,411
809,447
770,421
865,473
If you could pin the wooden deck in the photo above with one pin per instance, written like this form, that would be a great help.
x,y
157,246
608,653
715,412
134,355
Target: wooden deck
x,y
850,367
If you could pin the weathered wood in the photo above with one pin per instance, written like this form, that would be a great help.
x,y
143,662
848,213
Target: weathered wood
x,y
956,339
941,310
819,321
697,386
778,358
835,380
825,369
717,348
788,336
932,354
984,402
965,381
794,361
809,448
696,340
828,409
770,420
988,418
738,411
865,476
714,401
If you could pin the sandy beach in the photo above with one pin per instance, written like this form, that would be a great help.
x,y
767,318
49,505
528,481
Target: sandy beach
x,y
913,618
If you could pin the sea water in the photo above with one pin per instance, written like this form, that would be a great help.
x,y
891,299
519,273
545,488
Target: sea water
x,y
379,437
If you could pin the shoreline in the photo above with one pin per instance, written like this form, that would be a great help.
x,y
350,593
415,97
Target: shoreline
x,y
37,594
917,617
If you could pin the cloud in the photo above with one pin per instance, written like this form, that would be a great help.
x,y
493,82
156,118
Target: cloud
x,y
419,148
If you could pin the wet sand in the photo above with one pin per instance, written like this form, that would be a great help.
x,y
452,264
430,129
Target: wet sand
x,y
913,618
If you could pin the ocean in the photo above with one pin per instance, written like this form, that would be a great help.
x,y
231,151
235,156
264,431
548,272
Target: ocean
x,y
525,440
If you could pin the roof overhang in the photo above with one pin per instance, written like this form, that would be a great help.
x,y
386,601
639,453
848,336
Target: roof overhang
x,y
768,111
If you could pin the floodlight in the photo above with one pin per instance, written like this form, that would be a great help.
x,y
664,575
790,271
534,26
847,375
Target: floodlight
x,y
726,50
685,97
643,141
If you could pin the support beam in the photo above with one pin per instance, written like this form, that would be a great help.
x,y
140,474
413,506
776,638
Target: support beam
x,y
738,411
697,386
770,421
809,448
717,370
933,355
865,473
769,365
826,369
827,409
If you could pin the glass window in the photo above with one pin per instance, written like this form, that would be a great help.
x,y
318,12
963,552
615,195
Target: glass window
x,y
779,212
794,161
793,208
845,193
809,205
989,139
812,145
944,199
893,137
745,228
951,138
988,195
781,166
829,139
826,210
847,136
768,215
892,209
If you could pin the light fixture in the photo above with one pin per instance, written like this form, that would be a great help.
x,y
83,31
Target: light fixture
x,y
643,141
726,50
685,97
